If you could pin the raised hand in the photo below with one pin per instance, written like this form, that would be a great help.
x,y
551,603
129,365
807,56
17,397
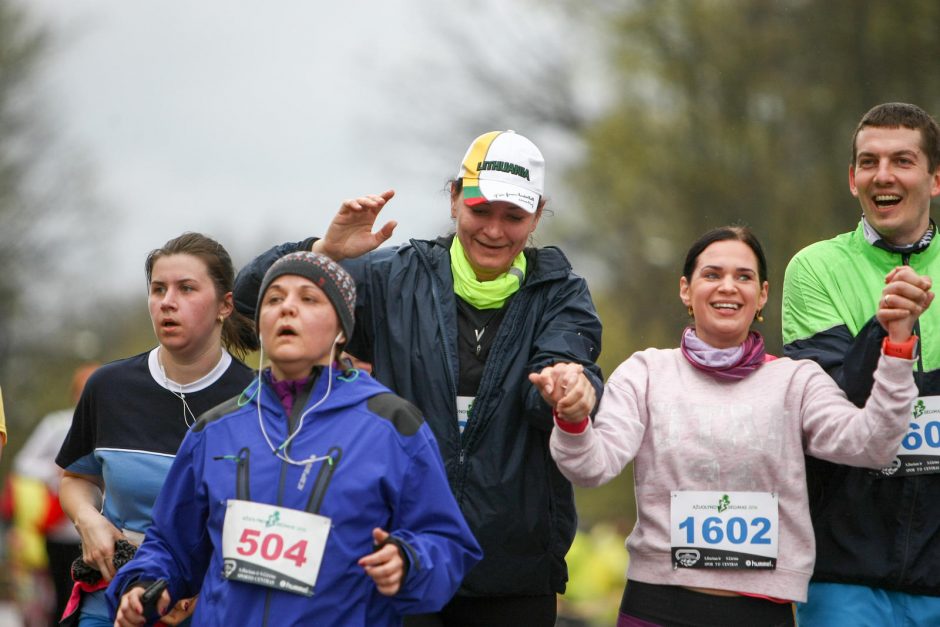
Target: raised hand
x,y
350,233
905,297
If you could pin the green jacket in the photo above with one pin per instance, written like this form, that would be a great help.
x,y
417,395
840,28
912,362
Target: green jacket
x,y
871,528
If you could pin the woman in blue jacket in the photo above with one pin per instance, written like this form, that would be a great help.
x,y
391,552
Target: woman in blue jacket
x,y
456,325
316,497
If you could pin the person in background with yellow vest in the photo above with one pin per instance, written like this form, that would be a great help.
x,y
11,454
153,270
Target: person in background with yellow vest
x,y
36,461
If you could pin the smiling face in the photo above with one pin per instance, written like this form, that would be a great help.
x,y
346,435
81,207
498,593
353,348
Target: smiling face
x,y
185,307
724,293
893,183
298,327
492,234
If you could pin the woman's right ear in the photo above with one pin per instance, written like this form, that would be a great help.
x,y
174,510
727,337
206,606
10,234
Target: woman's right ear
x,y
684,291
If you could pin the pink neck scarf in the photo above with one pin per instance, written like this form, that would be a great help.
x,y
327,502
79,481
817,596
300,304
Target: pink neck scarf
x,y
730,364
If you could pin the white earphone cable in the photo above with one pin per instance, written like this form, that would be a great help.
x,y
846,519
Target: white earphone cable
x,y
285,456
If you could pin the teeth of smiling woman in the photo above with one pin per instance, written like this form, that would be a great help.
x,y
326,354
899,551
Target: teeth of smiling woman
x,y
725,306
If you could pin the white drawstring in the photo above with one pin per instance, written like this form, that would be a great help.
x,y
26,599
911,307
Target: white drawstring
x,y
285,457
180,395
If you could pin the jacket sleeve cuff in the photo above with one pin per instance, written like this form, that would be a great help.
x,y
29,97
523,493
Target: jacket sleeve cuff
x,y
571,427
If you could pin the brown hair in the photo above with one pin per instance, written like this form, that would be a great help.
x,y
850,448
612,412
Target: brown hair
x,y
898,114
238,332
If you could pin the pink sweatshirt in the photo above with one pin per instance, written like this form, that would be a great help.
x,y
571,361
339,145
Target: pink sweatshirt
x,y
688,430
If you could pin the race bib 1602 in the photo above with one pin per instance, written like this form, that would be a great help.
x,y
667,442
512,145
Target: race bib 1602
x,y
723,529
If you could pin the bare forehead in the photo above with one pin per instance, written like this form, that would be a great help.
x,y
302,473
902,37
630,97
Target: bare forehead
x,y
179,267
888,139
728,254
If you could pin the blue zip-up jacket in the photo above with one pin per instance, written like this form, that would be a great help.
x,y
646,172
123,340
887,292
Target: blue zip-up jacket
x,y
519,506
386,472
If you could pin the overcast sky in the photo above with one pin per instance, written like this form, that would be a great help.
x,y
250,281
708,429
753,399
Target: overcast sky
x,y
252,121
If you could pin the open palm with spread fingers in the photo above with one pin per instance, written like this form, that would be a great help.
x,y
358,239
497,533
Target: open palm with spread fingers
x,y
350,233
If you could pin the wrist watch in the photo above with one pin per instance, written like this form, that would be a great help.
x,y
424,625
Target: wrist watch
x,y
905,350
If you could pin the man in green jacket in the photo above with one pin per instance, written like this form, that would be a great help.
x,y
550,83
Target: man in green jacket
x,y
877,531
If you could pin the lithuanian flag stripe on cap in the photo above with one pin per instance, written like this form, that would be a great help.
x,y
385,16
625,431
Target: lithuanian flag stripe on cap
x,y
475,156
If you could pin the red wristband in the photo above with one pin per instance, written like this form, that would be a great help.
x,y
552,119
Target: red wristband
x,y
904,350
571,427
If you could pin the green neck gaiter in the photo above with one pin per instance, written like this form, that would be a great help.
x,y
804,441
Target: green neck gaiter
x,y
484,294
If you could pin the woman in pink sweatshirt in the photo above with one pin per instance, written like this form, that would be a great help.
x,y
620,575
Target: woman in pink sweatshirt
x,y
718,430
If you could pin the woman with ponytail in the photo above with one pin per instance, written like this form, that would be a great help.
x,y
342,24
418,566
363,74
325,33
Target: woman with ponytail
x,y
134,412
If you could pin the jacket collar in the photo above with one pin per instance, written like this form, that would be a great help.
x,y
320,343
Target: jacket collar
x,y
875,238
544,264
923,256
364,388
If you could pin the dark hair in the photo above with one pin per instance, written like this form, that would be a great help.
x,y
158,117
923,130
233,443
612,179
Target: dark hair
x,y
238,332
721,234
456,186
897,114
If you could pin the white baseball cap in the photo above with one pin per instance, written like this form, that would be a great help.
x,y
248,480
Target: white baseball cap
x,y
503,165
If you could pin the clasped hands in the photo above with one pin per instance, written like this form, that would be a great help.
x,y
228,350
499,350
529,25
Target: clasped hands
x,y
905,297
565,387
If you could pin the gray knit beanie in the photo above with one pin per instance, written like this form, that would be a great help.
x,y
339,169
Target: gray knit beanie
x,y
326,274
